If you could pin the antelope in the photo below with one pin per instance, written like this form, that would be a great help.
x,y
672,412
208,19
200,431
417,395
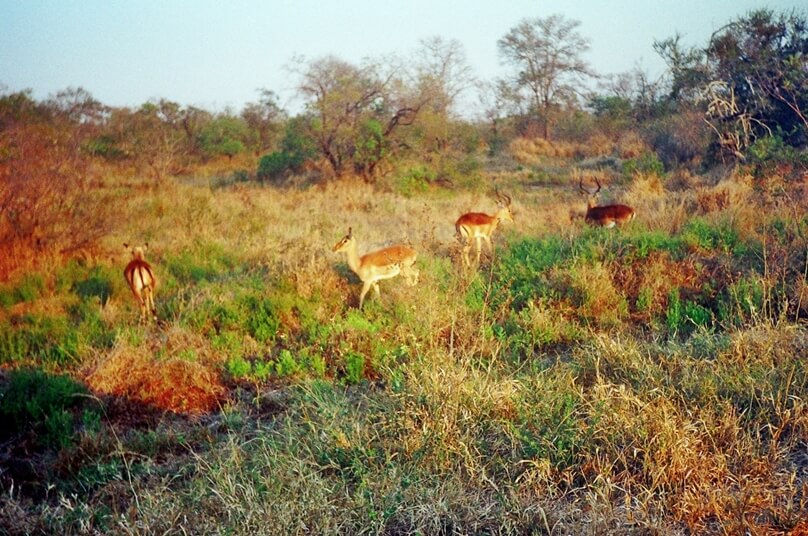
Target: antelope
x,y
479,226
142,282
377,265
608,215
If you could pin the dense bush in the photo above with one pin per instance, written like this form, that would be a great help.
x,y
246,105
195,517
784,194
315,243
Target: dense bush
x,y
679,140
295,149
33,401
49,206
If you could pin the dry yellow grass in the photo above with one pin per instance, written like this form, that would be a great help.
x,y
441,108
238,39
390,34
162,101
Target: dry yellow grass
x,y
567,416
631,145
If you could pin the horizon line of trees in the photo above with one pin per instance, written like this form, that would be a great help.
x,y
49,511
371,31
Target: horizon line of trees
x,y
742,96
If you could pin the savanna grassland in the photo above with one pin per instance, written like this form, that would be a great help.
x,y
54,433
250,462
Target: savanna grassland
x,y
649,379
645,379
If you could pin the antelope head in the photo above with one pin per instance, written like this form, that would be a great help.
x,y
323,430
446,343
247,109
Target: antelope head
x,y
138,252
343,244
504,201
591,196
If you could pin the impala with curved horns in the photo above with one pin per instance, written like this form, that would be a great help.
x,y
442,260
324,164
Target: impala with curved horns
x,y
142,282
606,215
377,265
480,226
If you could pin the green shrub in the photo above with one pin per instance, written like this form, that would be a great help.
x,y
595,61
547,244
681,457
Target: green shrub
x,y
522,270
314,363
261,370
679,139
215,314
222,136
238,367
295,149
371,147
535,328
275,166
354,367
465,173
105,146
683,316
415,180
674,314
356,321
286,365
240,175
36,401
698,315
768,152
229,342
72,272
93,476
646,163
262,322
589,288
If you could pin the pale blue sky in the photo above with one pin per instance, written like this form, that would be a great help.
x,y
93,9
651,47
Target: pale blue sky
x,y
215,54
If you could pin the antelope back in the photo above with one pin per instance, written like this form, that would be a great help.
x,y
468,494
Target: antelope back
x,y
475,219
619,213
388,256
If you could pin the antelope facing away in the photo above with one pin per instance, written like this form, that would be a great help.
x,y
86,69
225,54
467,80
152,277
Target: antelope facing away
x,y
607,215
479,226
377,265
140,277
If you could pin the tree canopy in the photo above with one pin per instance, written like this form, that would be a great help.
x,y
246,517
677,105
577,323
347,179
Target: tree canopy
x,y
546,54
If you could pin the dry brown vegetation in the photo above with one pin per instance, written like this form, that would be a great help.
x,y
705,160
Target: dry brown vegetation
x,y
48,204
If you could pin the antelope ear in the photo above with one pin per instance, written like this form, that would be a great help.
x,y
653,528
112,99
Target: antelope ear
x,y
350,232
146,245
126,245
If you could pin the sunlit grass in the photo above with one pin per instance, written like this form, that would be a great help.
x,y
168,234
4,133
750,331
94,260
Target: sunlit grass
x,y
641,379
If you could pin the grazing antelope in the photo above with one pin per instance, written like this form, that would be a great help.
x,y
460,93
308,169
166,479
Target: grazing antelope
x,y
377,265
479,226
140,277
607,215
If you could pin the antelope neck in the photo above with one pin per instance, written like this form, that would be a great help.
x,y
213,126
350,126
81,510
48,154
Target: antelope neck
x,y
353,256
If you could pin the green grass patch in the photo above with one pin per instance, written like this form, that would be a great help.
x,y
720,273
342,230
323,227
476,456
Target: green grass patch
x,y
98,284
203,262
27,289
556,427
38,339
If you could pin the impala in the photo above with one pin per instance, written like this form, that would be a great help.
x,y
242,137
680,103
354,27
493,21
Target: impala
x,y
140,277
377,265
479,226
607,215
